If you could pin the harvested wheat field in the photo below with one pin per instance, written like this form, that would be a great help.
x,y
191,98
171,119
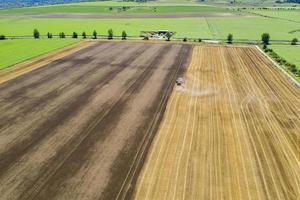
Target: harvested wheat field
x,y
79,127
231,132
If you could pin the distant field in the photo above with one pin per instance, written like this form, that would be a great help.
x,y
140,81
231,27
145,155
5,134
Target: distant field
x,y
15,51
289,52
210,28
185,27
253,27
113,9
293,15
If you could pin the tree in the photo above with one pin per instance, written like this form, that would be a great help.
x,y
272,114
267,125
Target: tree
x,y
49,35
36,34
74,35
110,34
294,41
265,47
168,35
94,34
2,37
293,68
83,35
230,38
265,38
184,39
124,35
62,35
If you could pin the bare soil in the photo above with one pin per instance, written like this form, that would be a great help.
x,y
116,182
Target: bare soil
x,y
80,126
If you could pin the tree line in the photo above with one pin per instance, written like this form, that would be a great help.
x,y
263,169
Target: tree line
x,y
110,35
265,37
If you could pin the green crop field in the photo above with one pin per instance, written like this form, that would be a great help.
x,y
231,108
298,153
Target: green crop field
x,y
209,28
253,27
113,9
289,52
293,15
15,51
185,27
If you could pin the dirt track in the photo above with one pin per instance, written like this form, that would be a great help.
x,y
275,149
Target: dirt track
x,y
233,132
78,127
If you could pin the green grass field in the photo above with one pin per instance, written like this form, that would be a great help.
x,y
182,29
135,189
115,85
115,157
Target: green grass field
x,y
289,52
113,9
209,28
252,28
185,27
15,51
293,15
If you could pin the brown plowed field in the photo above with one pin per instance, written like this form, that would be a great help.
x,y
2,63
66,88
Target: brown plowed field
x,y
79,127
232,132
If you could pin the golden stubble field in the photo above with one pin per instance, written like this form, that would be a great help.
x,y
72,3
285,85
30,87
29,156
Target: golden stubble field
x,y
231,132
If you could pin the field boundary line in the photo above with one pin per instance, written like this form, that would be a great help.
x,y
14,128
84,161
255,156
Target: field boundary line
x,y
289,77
40,61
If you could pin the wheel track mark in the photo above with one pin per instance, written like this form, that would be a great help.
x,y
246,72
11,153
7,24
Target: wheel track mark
x,y
273,90
240,125
226,110
125,96
139,157
167,149
168,115
151,156
265,116
183,143
250,80
199,63
188,157
284,138
42,101
283,108
211,139
241,114
129,59
21,149
38,71
16,94
217,119
168,146
261,169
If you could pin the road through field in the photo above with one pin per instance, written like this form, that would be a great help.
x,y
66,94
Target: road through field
x,y
70,129
231,132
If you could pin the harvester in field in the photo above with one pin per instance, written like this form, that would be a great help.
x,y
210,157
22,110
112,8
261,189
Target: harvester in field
x,y
180,81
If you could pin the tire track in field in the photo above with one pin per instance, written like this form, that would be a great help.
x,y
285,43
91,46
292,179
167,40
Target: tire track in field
x,y
270,144
42,77
59,167
29,80
52,93
140,156
63,113
247,131
43,171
